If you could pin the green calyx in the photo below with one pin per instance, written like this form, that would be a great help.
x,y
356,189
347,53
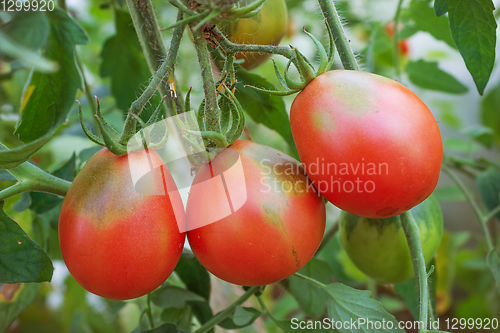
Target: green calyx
x,y
203,143
304,68
113,140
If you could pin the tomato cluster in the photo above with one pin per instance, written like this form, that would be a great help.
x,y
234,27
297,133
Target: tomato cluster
x,y
254,215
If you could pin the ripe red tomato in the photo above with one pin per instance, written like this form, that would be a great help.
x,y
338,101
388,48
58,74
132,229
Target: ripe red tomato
x,y
369,144
119,243
378,247
272,220
265,28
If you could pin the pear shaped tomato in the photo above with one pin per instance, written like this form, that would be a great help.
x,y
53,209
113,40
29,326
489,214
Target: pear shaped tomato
x,y
368,143
253,216
119,235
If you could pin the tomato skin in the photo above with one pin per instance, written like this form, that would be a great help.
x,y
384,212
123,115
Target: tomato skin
x,y
116,242
265,28
275,232
378,247
369,144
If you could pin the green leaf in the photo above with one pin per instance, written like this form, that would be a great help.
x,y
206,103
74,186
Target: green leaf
x,y
348,304
23,203
194,276
170,296
11,158
124,62
25,56
87,153
14,298
440,7
423,15
489,111
428,75
482,134
5,175
344,269
488,183
449,193
47,98
21,259
310,298
242,317
29,29
263,108
494,265
473,28
202,311
165,328
43,202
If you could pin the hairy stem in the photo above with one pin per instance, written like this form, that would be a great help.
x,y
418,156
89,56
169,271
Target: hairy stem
x,y
156,81
396,40
212,111
479,214
32,178
230,47
413,238
227,312
148,32
341,42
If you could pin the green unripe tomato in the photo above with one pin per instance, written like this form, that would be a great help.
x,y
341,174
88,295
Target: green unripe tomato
x,y
265,28
378,247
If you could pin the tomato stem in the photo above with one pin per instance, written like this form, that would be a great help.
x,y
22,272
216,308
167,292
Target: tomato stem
x,y
212,111
413,238
227,312
341,42
157,81
396,40
482,218
32,178
230,47
148,32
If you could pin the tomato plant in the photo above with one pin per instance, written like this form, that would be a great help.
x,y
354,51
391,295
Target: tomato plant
x,y
378,247
340,97
282,215
117,242
369,144
265,28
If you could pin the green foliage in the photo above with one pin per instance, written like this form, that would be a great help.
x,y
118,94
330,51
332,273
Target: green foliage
x,y
48,56
473,28
48,98
18,298
21,259
427,75
124,62
346,304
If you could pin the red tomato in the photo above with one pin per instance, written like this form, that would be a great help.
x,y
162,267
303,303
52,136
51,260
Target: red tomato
x,y
369,144
119,243
272,220
402,44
